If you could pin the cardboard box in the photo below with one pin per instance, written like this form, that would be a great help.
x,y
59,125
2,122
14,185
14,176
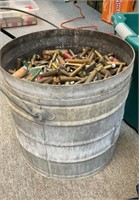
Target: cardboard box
x,y
136,6
111,7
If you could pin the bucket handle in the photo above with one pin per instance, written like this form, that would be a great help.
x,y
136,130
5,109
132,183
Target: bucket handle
x,y
40,116
44,115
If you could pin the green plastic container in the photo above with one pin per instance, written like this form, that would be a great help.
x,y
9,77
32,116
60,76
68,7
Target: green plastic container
x,y
126,27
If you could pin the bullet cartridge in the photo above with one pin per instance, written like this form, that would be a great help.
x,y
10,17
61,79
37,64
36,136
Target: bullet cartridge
x,y
76,71
91,76
20,72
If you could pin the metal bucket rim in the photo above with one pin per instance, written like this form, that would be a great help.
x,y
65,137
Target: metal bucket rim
x,y
77,85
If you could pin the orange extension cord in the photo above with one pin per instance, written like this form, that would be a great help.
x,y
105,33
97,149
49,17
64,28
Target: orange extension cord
x,y
77,18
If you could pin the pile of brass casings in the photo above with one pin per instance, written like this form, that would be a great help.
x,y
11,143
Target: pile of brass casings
x,y
66,67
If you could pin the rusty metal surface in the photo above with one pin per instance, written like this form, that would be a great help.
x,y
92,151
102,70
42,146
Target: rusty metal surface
x,y
67,131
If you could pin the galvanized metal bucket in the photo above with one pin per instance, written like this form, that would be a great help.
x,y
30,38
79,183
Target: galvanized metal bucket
x,y
67,131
